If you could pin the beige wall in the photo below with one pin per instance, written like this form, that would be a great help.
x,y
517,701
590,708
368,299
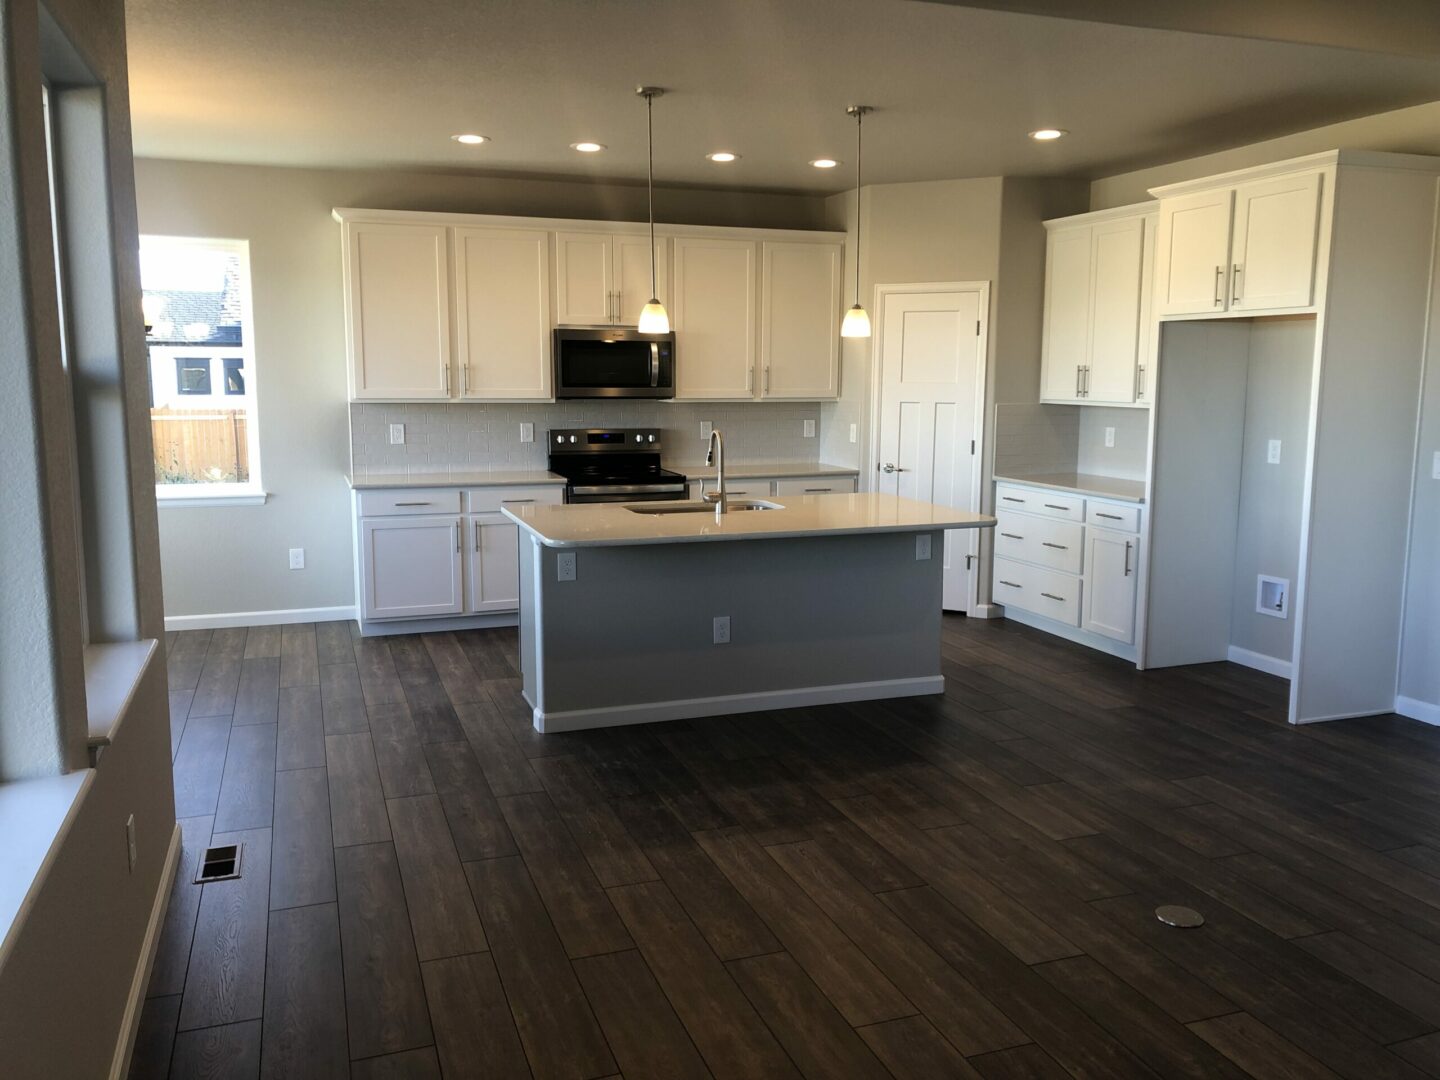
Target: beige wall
x,y
234,559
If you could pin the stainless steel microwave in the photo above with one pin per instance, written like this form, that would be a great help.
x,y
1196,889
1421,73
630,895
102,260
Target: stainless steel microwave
x,y
614,363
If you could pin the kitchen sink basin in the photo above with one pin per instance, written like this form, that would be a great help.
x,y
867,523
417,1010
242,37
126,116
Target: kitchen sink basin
x,y
731,505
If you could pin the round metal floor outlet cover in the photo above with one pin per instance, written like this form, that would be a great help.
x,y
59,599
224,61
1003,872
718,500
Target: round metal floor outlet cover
x,y
1175,915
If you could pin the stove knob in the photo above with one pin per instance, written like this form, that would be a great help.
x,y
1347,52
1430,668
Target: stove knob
x,y
652,438
572,438
559,438
639,438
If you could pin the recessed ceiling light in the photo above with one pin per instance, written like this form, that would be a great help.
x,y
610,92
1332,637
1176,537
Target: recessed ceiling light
x,y
470,139
1048,134
824,163
723,157
587,147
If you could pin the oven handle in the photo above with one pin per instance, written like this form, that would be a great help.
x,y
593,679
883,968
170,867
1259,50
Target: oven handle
x,y
654,363
624,489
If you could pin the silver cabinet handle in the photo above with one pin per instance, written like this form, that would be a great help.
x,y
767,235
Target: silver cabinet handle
x,y
457,538
1012,584
503,502
412,504
477,534
1087,380
1219,285
1012,498
447,380
1053,506
1057,547
1052,596
817,491
1078,369
1108,517
464,379
1139,381
889,467
1127,558
1012,536
1235,272
765,385
654,363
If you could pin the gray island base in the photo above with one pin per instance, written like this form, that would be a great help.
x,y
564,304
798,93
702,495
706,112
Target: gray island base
x,y
832,598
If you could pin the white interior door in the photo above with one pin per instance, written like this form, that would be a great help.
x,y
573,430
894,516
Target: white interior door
x,y
932,357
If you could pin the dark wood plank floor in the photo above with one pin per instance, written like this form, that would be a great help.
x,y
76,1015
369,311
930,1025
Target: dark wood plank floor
x,y
957,886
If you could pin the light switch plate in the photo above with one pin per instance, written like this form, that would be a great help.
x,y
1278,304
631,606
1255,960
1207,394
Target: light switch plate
x,y
297,558
855,434
397,434
1272,452
1109,436
565,566
922,547
527,432
809,429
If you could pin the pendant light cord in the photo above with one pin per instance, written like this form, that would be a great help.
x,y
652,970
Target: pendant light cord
x,y
859,122
650,181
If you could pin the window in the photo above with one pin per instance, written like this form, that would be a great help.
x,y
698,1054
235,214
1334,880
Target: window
x,y
202,407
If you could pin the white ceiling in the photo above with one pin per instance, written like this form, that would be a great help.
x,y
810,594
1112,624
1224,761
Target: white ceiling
x,y
345,83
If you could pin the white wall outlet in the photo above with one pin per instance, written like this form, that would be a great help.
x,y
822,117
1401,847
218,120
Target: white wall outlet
x,y
1109,436
527,432
565,566
722,629
397,434
297,558
1435,467
922,547
1272,452
809,429
705,428
855,436
130,849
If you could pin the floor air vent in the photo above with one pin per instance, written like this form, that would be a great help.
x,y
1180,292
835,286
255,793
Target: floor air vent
x,y
220,863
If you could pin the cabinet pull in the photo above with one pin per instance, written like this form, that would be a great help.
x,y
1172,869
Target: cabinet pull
x,y
1086,370
1057,547
412,504
1078,370
464,380
477,535
1108,517
1012,536
1235,272
1139,382
1219,285
1011,498
817,491
1011,584
457,538
749,380
1127,558
765,388
504,501
447,380
1052,596
1054,506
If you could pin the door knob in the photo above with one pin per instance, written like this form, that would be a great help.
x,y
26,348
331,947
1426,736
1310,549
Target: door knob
x,y
890,467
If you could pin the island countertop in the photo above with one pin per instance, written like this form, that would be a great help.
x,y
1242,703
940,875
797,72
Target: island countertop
x,y
611,524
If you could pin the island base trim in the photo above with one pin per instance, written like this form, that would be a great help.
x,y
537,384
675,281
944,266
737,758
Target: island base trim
x,y
762,700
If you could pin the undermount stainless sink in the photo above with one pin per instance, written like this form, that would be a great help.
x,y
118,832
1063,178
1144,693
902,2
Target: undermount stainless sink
x,y
731,505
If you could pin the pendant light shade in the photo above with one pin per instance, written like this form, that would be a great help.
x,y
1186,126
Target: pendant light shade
x,y
654,319
857,322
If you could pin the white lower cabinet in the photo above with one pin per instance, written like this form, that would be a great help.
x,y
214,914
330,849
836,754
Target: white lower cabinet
x,y
410,567
493,565
816,485
1112,562
1034,588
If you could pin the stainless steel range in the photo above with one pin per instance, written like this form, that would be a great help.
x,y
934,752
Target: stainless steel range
x,y
613,465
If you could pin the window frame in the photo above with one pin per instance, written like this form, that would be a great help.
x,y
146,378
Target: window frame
x,y
192,363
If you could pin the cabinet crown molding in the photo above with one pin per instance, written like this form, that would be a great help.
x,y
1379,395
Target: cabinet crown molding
x,y
1097,217
1371,159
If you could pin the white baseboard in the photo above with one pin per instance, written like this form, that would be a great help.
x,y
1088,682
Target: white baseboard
x,y
1098,642
135,1003
482,621
1416,709
226,619
1259,661
987,611
764,700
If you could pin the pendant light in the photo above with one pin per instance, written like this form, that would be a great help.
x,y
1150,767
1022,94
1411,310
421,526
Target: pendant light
x,y
857,322
653,317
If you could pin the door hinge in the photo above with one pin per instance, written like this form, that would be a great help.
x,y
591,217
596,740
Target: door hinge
x,y
972,446
967,561
977,327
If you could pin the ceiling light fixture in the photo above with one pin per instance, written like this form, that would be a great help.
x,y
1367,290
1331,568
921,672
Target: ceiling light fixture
x,y
654,319
587,147
1048,134
857,322
723,157
471,139
824,163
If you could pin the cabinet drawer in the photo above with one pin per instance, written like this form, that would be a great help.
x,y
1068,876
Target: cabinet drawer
x,y
816,485
753,489
1055,504
1112,516
1056,544
485,500
1045,592
411,501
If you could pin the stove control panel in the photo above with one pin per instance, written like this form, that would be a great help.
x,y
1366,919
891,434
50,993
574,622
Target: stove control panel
x,y
601,440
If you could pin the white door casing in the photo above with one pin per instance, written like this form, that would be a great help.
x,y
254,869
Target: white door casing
x,y
930,372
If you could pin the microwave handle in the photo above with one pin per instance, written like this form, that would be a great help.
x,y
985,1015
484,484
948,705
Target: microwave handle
x,y
654,363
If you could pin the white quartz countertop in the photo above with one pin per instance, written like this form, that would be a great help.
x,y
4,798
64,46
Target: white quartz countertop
x,y
765,470
1102,487
519,478
610,524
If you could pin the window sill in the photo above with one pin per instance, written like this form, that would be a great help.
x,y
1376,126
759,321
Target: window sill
x,y
200,495
112,674
35,815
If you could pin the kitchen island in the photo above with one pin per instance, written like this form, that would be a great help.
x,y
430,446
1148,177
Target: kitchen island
x,y
669,611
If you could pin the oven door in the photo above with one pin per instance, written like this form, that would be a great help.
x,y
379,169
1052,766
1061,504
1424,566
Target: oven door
x,y
614,363
625,493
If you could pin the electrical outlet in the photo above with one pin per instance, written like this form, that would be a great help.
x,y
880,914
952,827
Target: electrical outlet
x,y
297,558
922,547
130,849
397,434
1272,452
1109,436
855,435
565,566
527,432
722,629
809,429
705,428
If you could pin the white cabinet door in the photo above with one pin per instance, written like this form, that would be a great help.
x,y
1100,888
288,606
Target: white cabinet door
x,y
1112,562
397,304
714,318
493,563
1118,250
411,567
1194,253
799,320
502,313
1273,260
632,276
1066,345
584,283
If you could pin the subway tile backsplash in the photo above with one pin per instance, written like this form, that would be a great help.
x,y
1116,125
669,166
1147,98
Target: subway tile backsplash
x,y
486,437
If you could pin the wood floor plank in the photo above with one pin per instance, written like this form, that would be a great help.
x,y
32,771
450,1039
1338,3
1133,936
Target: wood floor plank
x,y
225,982
1258,1050
200,765
646,1036
720,1019
257,701
226,1052
342,702
357,802
302,863
299,665
912,1049
186,658
474,1031
384,996
172,954
476,824
262,642
1021,1063
1389,978
301,741
556,1026
1423,1053
420,1064
333,644
247,787
442,912
379,680
155,1038
398,752
506,768
220,675
304,1029
462,685
611,852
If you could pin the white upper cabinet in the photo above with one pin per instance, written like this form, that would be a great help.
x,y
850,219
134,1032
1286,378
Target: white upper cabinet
x,y
584,279
1066,331
800,320
1240,248
1117,291
631,275
397,306
502,313
714,318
